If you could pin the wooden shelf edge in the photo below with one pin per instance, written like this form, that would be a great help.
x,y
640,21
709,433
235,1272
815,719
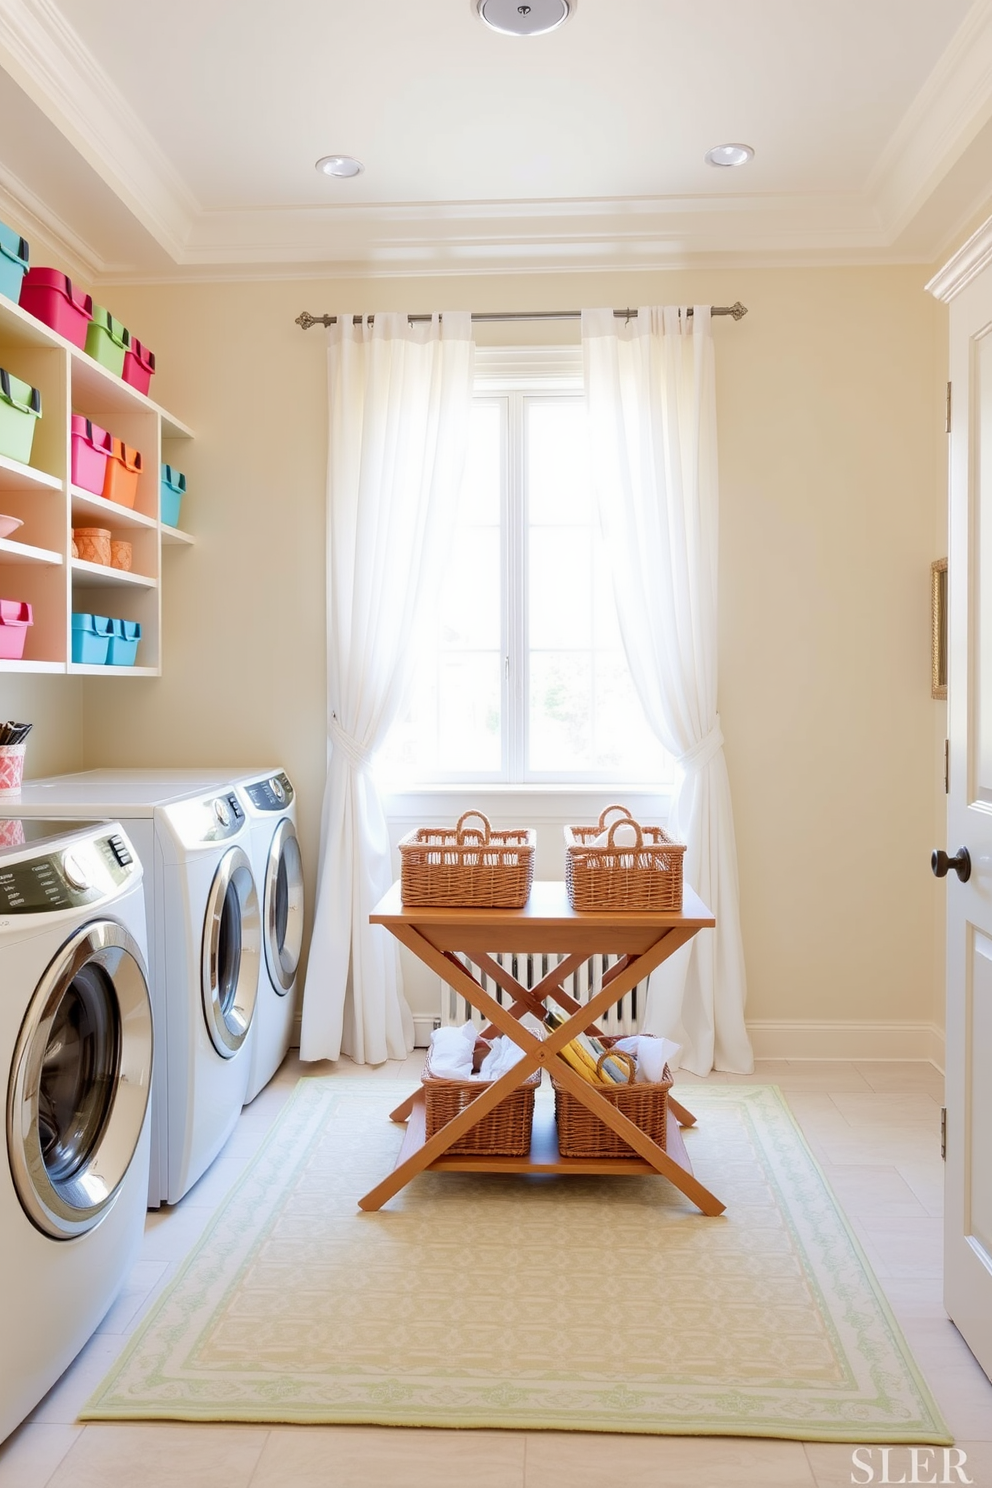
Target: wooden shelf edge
x,y
544,1156
18,552
93,575
113,511
32,666
83,669
175,537
28,474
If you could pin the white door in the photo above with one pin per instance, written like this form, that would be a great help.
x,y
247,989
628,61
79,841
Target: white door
x,y
968,1176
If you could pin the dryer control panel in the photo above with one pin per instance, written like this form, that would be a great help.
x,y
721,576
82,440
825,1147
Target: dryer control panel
x,y
273,794
208,820
85,871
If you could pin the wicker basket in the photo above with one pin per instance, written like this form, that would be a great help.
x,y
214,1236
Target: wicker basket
x,y
467,867
504,1131
581,1134
647,875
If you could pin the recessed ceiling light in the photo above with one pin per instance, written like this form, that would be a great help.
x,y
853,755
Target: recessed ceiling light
x,y
339,165
515,19
724,155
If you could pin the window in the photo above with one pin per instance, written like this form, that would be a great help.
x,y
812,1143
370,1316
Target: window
x,y
524,679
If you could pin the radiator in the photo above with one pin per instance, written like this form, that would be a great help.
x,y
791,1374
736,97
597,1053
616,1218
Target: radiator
x,y
621,1019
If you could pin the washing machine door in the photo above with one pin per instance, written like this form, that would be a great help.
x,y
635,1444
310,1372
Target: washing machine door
x,y
232,948
283,903
80,1080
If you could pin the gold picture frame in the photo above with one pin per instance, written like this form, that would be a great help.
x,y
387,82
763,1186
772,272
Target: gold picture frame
x,y
938,628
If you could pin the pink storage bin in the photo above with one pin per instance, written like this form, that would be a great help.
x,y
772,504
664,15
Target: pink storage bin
x,y
52,298
139,365
15,617
91,446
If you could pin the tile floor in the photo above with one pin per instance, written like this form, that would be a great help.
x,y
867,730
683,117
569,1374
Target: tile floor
x,y
874,1127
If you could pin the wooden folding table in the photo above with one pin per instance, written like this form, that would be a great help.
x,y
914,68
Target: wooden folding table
x,y
642,940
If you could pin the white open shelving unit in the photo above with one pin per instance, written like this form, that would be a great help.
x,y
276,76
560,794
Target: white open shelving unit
x,y
36,563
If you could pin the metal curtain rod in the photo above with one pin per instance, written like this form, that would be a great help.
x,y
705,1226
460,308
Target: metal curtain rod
x,y
306,320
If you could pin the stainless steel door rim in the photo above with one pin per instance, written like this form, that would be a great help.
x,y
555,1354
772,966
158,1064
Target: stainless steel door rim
x,y
283,899
231,953
80,1081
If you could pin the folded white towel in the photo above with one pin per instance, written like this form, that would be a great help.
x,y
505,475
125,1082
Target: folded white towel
x,y
451,1052
503,1055
651,1054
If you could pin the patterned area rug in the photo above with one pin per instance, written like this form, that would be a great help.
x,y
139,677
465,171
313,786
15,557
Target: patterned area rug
x,y
581,1304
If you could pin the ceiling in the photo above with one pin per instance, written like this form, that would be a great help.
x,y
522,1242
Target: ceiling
x,y
177,138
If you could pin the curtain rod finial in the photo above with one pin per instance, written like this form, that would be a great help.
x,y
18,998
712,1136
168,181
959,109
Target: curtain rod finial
x,y
738,311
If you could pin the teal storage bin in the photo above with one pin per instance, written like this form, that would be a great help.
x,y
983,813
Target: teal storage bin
x,y
173,491
13,262
123,642
20,410
91,637
106,340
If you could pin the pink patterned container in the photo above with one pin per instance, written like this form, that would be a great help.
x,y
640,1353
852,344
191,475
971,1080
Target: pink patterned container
x,y
91,446
11,769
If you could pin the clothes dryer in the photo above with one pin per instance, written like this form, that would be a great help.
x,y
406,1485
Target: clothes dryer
x,y
76,1047
187,1090
211,929
269,802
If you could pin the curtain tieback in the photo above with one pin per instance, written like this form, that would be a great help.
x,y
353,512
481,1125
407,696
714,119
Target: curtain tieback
x,y
359,758
699,755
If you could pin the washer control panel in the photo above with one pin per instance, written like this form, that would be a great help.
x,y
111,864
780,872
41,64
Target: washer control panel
x,y
273,794
85,872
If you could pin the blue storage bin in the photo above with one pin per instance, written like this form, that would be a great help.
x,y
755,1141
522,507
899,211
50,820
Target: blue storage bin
x,y
91,636
13,262
124,642
173,491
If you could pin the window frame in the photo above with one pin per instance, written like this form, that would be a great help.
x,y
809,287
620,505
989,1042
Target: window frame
x,y
509,376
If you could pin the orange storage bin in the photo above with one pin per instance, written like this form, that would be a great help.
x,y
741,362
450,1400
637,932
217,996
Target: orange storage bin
x,y
120,482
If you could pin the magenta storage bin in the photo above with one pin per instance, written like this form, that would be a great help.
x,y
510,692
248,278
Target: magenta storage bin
x,y
91,447
15,617
139,365
52,298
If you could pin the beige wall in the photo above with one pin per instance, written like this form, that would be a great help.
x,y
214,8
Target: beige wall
x,y
831,450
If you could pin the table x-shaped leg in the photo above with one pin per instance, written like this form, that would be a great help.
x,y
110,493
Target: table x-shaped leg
x,y
536,1053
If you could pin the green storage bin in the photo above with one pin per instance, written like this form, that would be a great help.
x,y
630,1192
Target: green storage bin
x,y
20,410
106,340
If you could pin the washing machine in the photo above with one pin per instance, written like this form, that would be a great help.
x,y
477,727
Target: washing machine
x,y
76,1046
269,802
204,948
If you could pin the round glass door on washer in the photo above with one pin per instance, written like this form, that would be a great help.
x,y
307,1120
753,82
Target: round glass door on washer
x,y
80,1081
76,1050
231,943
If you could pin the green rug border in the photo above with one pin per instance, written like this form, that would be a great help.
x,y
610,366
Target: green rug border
x,y
938,1435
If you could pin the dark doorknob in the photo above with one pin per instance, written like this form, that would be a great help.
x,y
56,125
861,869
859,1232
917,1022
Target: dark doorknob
x,y
961,863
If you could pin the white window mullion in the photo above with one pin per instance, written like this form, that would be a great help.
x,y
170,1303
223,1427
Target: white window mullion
x,y
516,595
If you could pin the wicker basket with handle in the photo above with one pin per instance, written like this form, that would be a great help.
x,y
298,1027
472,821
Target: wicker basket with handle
x,y
646,874
581,1134
467,867
505,1131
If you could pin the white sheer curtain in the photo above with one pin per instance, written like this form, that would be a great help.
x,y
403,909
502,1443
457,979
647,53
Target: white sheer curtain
x,y
400,401
650,393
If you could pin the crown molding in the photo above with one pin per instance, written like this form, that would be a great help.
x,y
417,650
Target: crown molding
x,y
47,58
66,81
36,219
959,270
950,109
